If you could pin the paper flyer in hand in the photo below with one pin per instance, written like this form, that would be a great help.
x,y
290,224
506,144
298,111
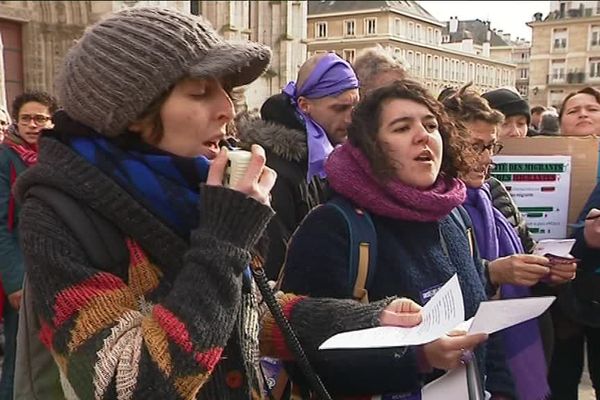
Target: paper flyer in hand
x,y
442,314
560,248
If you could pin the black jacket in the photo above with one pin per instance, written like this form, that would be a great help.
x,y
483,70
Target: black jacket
x,y
286,149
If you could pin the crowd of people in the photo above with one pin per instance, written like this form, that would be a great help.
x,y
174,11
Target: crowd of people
x,y
138,141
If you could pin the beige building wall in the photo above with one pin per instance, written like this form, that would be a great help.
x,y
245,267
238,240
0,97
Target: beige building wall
x,y
563,58
517,53
416,41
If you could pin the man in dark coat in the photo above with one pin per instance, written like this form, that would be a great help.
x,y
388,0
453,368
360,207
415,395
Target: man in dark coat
x,y
298,129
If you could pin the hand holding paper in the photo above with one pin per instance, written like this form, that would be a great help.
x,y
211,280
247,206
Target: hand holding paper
x,y
442,314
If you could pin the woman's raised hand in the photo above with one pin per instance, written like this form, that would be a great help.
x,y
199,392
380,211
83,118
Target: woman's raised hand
x,y
257,181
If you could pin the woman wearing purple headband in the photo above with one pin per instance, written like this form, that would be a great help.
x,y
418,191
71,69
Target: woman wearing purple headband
x,y
299,129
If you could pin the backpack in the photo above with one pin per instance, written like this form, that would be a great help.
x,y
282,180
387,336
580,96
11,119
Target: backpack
x,y
36,374
362,238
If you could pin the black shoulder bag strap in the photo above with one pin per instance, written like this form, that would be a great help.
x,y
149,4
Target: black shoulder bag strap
x,y
101,240
316,385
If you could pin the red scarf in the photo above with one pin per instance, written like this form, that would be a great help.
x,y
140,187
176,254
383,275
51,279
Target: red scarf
x,y
27,152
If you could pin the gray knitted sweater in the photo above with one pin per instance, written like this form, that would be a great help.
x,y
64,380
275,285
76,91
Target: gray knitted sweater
x,y
181,320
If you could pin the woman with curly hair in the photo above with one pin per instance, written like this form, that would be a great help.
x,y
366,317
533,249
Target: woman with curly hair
x,y
401,166
509,268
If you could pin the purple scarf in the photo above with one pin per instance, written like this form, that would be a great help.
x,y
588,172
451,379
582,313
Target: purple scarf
x,y
522,343
349,174
331,76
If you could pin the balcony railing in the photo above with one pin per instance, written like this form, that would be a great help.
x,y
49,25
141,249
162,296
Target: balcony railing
x,y
573,78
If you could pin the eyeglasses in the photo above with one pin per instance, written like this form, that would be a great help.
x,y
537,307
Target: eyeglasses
x,y
39,119
493,148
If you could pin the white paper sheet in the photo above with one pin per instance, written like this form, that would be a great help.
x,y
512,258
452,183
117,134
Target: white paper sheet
x,y
441,314
451,385
493,316
560,248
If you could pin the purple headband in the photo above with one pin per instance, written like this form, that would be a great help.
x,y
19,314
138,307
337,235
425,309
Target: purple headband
x,y
331,76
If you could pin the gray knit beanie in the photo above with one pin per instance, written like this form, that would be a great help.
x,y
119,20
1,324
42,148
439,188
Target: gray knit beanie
x,y
124,62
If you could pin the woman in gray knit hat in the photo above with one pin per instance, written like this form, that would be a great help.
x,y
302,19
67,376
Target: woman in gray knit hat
x,y
146,101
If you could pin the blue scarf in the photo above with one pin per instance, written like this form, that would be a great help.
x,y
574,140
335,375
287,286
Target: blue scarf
x,y
497,238
166,184
331,76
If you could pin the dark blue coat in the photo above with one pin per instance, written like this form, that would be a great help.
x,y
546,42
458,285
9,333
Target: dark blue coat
x,y
590,257
413,257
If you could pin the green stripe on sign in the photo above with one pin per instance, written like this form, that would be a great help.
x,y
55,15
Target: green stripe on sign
x,y
535,209
514,167
535,215
503,177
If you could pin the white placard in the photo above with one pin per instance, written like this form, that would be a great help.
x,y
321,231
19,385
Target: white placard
x,y
540,186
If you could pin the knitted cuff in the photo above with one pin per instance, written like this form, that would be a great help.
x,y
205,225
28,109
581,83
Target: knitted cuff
x,y
231,216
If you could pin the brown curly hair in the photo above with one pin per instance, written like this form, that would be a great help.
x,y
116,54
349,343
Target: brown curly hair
x,y
366,120
467,105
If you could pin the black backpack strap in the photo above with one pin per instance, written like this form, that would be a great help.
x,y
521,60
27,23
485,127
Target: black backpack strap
x,y
363,246
101,240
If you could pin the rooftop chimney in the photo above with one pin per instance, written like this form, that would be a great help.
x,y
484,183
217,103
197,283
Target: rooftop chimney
x,y
453,25
537,16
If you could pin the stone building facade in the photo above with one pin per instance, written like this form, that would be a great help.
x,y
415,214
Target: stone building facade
x,y
407,31
565,52
37,34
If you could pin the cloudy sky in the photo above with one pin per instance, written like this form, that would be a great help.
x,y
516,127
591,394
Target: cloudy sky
x,y
510,16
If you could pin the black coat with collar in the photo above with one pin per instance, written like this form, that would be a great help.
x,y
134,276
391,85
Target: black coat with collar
x,y
283,137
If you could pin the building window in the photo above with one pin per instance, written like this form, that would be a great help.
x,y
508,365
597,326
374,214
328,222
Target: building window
x,y
410,59
429,35
446,69
348,55
438,36
559,39
349,27
555,98
398,27
436,67
321,29
595,36
557,70
418,64
463,71
411,31
418,37
523,73
429,66
594,68
371,26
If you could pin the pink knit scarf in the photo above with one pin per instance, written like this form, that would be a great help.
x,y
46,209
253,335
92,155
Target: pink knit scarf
x,y
349,174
